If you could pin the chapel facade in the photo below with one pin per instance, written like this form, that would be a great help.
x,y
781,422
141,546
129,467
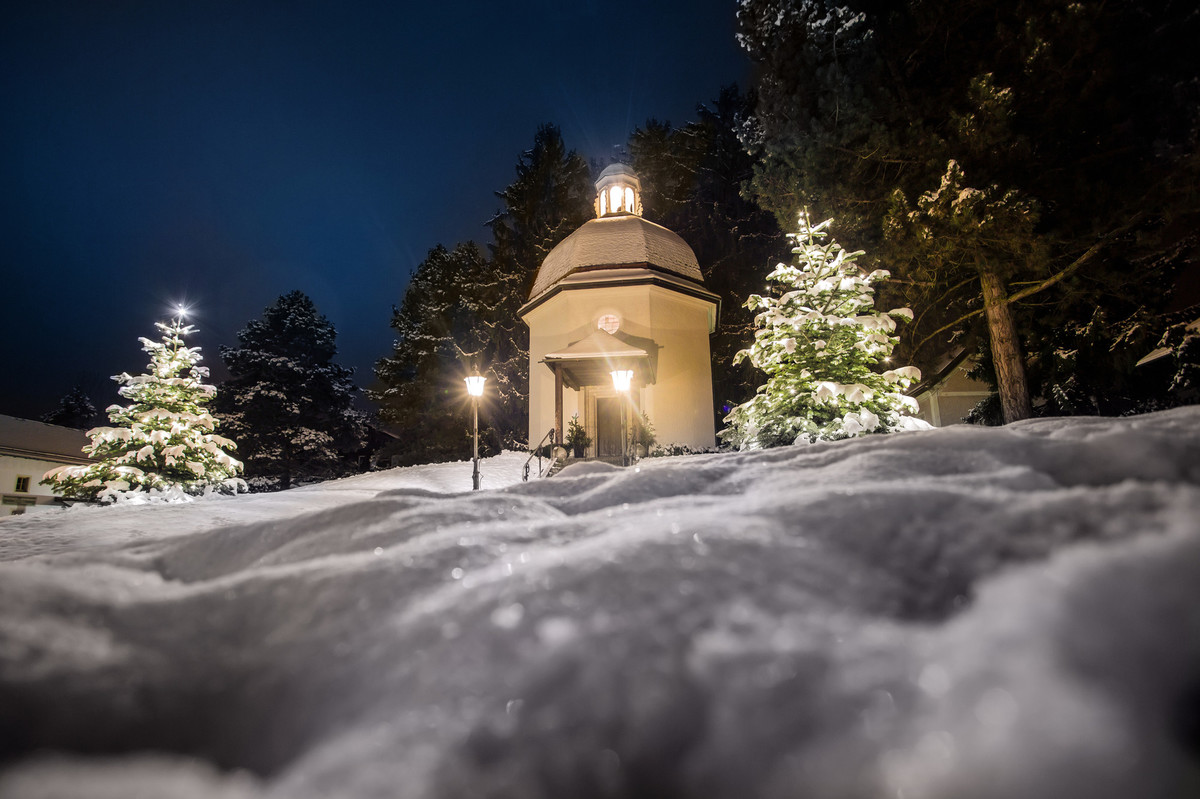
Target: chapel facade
x,y
621,295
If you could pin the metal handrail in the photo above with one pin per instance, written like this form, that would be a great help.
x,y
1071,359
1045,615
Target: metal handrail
x,y
537,452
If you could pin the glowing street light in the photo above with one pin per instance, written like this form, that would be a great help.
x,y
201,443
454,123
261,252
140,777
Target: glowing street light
x,y
622,378
475,389
475,385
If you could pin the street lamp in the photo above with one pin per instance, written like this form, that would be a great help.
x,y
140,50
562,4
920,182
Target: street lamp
x,y
475,389
621,379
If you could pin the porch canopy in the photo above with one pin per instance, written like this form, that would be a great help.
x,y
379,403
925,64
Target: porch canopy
x,y
590,362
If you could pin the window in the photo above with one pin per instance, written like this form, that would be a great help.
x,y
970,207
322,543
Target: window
x,y
609,323
22,485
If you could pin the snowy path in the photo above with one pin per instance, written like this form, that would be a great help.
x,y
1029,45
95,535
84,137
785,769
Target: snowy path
x,y
958,613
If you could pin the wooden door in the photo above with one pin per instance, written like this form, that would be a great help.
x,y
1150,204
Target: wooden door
x,y
608,427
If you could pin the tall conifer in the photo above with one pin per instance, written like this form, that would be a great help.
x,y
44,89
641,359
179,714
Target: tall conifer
x,y
289,405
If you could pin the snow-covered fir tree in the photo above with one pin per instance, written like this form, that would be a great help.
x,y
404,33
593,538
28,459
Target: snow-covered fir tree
x,y
825,351
163,443
290,407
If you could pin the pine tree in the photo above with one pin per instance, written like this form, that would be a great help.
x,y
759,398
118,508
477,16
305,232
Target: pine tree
x,y
550,198
823,348
162,443
974,240
460,314
442,334
289,405
75,409
1084,112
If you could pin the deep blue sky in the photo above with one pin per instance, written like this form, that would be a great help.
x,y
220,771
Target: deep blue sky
x,y
224,153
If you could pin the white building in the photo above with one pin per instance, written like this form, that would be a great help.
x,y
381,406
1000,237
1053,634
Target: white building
x,y
621,294
948,395
28,450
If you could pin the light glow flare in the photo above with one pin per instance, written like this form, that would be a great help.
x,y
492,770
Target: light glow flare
x,y
475,385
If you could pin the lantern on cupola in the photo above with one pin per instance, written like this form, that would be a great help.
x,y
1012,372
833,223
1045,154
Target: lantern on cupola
x,y
618,191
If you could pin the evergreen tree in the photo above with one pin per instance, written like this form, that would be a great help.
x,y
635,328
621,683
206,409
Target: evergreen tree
x,y
977,238
288,404
75,409
164,441
824,350
550,198
459,314
1083,114
443,333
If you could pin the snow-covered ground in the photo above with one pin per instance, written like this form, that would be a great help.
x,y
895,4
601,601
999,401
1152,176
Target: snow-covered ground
x,y
962,612
50,530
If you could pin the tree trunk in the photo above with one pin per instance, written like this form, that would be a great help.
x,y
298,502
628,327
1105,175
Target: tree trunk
x,y
1006,349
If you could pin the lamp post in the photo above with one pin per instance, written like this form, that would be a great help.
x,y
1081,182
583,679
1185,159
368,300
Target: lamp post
x,y
475,389
621,380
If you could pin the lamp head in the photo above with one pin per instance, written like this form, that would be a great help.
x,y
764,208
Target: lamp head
x,y
475,385
621,379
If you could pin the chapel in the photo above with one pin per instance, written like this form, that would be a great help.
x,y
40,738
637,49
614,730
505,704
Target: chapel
x,y
619,321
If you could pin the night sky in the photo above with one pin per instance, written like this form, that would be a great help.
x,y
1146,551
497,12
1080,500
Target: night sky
x,y
224,153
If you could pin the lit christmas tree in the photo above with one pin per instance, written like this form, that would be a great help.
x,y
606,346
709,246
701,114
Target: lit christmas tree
x,y
162,444
824,350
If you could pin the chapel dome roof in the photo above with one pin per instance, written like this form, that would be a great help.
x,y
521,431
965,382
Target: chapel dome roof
x,y
615,170
617,241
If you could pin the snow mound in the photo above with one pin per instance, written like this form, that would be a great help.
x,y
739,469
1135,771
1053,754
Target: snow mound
x,y
948,613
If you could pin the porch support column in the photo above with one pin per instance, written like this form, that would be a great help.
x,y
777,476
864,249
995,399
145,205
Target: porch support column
x,y
558,405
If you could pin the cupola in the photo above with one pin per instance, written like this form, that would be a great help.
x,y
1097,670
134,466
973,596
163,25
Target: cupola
x,y
618,192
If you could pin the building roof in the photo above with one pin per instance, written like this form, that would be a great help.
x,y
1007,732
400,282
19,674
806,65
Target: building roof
x,y
1162,352
618,169
613,242
613,276
25,438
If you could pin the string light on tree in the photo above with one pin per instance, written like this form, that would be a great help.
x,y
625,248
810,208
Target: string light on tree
x,y
163,444
823,348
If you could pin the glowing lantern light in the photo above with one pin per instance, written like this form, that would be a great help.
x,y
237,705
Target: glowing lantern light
x,y
475,389
617,192
622,378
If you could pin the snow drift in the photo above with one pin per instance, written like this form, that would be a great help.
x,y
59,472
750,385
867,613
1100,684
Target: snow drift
x,y
962,612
